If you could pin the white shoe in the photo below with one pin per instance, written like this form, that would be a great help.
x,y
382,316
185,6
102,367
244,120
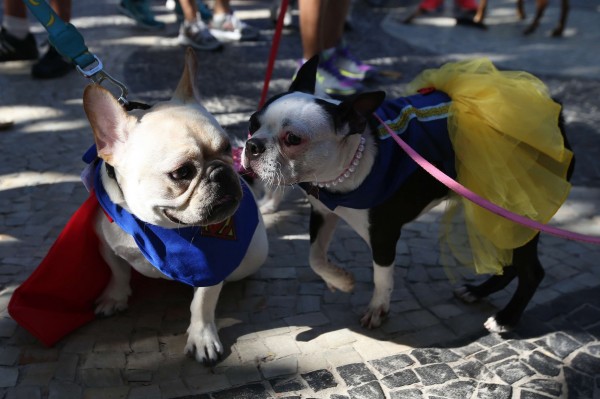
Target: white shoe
x,y
227,27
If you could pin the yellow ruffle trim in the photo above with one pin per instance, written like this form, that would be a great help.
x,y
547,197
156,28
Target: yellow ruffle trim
x,y
509,149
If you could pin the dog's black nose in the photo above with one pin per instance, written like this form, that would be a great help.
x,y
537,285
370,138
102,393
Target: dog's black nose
x,y
254,147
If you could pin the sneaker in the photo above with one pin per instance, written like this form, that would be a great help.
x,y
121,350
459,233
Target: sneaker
x,y
198,36
228,27
51,65
140,12
350,66
13,49
331,81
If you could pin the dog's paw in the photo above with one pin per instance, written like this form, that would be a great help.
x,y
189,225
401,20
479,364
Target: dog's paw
x,y
203,343
492,325
374,316
464,294
341,280
113,299
110,306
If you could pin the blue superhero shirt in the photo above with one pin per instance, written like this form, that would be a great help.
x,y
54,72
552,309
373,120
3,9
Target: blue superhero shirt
x,y
200,256
421,121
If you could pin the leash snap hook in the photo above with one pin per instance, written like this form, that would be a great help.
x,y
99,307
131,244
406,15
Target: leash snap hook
x,y
96,74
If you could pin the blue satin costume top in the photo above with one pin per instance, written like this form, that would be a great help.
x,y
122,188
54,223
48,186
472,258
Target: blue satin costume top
x,y
421,121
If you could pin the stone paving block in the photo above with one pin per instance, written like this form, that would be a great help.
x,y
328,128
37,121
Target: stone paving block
x,y
548,387
580,385
144,361
411,393
287,384
104,360
8,376
64,390
372,390
320,379
9,355
308,363
391,364
250,351
145,392
171,389
446,310
494,391
66,368
586,363
454,390
355,374
79,343
435,374
38,374
559,344
251,391
511,370
278,367
24,392
434,355
281,345
397,323
101,378
144,341
37,355
544,364
315,319
106,393
203,383
342,355
496,354
474,369
401,379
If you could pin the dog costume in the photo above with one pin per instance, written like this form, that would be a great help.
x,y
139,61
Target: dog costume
x,y
497,132
60,294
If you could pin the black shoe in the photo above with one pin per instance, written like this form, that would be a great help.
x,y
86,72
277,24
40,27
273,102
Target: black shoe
x,y
13,49
51,65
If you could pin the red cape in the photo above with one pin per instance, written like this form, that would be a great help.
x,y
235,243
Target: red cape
x,y
59,295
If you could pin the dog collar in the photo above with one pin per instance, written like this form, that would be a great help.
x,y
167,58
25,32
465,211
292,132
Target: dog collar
x,y
349,170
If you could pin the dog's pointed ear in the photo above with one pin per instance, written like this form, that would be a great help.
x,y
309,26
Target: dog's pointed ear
x,y
186,90
306,78
356,110
107,118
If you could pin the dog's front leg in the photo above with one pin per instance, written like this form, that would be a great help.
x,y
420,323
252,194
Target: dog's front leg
x,y
116,294
322,226
203,339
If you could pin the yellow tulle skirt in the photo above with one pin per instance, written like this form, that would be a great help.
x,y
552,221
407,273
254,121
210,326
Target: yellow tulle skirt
x,y
509,149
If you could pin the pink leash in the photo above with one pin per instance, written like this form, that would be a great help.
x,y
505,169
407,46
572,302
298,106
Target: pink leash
x,y
482,202
273,53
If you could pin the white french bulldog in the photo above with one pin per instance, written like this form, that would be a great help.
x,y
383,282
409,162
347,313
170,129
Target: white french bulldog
x,y
171,166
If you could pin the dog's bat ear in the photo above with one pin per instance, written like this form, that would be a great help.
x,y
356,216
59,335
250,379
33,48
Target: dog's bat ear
x,y
306,78
356,110
107,118
186,90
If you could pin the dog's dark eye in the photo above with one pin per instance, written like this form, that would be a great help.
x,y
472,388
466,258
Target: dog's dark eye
x,y
184,172
291,139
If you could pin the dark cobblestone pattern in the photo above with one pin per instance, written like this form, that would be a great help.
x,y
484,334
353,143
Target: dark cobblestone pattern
x,y
285,334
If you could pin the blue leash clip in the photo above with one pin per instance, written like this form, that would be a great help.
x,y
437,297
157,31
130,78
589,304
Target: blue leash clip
x,y
69,43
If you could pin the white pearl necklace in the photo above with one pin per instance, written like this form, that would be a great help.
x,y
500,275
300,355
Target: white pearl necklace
x,y
349,170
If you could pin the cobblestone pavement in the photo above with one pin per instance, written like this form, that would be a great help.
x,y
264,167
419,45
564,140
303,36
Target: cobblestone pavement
x,y
285,334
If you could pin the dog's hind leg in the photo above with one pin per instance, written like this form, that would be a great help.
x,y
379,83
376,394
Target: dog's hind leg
x,y
562,22
322,226
530,274
473,293
116,294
